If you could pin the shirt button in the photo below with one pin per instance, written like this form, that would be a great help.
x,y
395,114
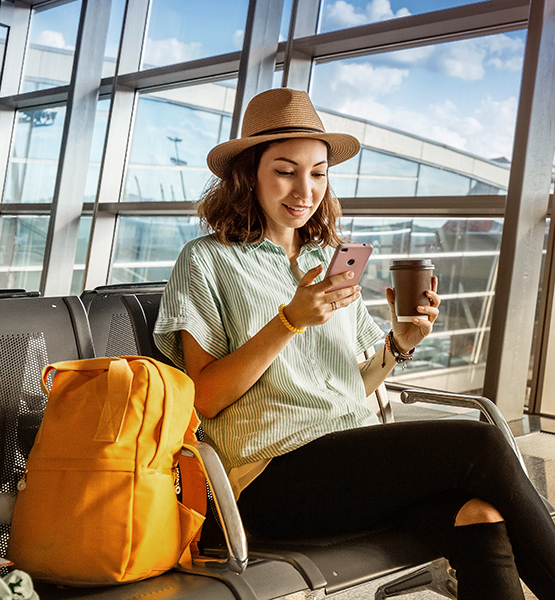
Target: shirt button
x,y
312,361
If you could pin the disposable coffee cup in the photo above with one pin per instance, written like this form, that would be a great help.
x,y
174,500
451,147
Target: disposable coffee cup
x,y
412,278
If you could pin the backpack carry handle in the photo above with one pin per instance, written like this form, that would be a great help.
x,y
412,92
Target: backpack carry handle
x,y
120,379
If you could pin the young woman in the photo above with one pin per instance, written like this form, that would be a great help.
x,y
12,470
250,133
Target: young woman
x,y
272,352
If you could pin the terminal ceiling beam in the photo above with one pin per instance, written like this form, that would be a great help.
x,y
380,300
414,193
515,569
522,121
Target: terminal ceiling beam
x,y
511,335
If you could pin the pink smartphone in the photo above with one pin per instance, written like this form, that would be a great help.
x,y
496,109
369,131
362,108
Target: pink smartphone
x,y
349,257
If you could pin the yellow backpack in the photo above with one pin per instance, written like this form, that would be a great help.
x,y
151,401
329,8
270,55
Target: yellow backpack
x,y
98,502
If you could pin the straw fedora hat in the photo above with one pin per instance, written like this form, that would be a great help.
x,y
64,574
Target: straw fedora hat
x,y
280,114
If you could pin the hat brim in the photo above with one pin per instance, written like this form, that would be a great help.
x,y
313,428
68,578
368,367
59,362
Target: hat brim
x,y
342,147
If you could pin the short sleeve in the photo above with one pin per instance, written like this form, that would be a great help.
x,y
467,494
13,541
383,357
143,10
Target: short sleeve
x,y
191,303
368,332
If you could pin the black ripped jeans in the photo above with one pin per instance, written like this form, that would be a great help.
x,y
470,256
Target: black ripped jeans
x,y
425,471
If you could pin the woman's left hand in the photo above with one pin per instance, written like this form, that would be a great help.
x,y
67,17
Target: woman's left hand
x,y
408,335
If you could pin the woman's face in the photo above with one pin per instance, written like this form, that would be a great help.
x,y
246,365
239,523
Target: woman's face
x,y
292,179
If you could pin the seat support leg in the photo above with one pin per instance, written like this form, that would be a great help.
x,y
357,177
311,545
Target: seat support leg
x,y
437,576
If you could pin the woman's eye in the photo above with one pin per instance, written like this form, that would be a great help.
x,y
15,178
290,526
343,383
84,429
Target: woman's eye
x,y
318,175
284,172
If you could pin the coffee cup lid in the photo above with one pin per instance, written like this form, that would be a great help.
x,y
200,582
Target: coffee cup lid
x,y
411,263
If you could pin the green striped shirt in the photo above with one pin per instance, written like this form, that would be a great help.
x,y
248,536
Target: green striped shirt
x,y
223,295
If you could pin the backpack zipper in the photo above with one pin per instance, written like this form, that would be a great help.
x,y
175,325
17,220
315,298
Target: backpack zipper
x,y
176,480
22,483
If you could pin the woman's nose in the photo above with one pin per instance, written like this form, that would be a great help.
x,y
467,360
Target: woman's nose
x,y
301,189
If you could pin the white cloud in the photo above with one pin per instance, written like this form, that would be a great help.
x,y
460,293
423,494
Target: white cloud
x,y
463,60
357,86
170,51
380,10
487,131
468,59
504,52
367,109
238,38
368,81
498,119
53,39
342,14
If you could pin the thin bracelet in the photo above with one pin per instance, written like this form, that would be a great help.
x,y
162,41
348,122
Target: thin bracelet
x,y
286,322
399,357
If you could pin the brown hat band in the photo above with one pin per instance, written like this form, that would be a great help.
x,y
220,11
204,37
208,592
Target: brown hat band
x,y
287,130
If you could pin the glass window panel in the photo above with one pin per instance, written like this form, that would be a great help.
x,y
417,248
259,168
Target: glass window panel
x,y
35,153
386,175
451,106
344,178
465,254
378,163
113,39
97,149
434,181
22,243
51,46
343,186
339,14
478,188
180,31
285,20
174,131
147,247
81,255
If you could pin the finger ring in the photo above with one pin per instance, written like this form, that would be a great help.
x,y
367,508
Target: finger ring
x,y
333,306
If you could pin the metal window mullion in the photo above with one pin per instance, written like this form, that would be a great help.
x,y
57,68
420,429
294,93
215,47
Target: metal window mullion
x,y
61,241
542,396
116,146
514,309
454,207
17,16
298,65
258,56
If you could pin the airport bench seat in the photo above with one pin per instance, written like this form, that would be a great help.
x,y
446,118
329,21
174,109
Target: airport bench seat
x,y
65,329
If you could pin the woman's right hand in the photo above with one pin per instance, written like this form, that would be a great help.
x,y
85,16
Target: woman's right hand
x,y
312,304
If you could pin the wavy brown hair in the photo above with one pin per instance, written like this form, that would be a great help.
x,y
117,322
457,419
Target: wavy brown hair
x,y
230,209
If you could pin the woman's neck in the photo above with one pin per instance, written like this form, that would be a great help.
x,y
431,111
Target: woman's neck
x,y
289,241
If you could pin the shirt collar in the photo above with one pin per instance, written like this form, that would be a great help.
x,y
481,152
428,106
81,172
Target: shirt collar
x,y
271,246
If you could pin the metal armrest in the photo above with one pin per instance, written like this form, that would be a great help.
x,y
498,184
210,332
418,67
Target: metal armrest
x,y
232,526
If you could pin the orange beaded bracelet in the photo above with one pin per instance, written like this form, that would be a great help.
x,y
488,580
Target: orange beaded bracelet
x,y
286,322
